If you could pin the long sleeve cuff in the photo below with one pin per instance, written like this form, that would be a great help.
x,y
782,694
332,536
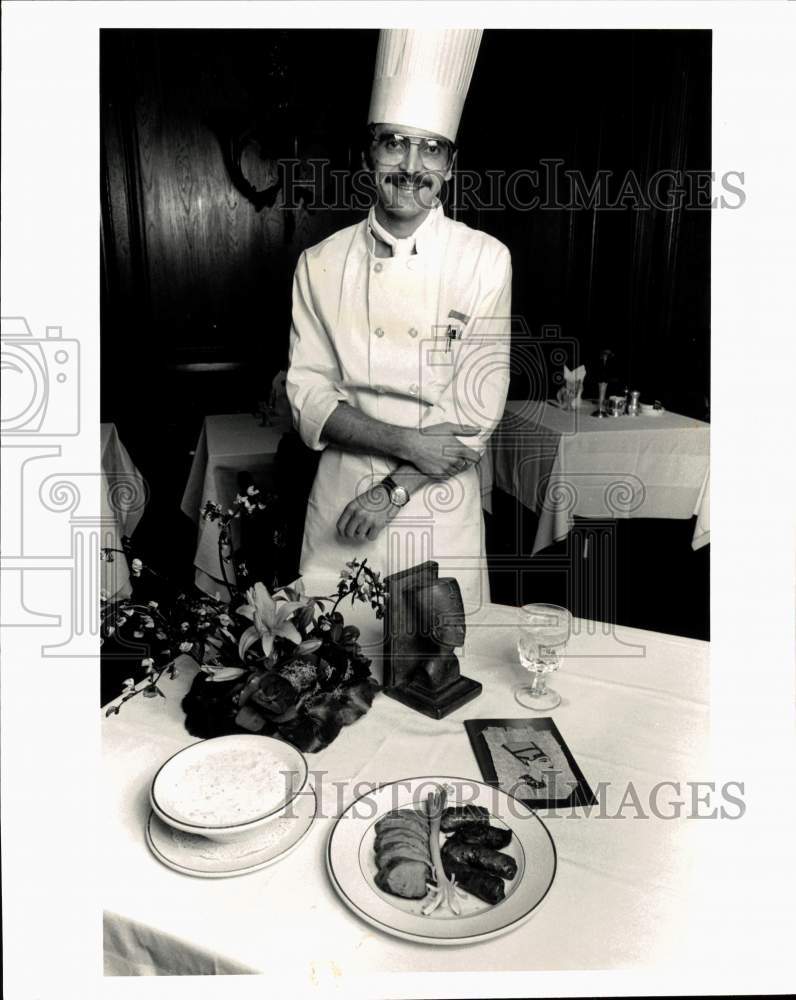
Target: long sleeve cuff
x,y
312,406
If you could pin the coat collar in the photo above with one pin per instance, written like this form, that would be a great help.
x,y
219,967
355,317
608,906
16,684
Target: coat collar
x,y
424,237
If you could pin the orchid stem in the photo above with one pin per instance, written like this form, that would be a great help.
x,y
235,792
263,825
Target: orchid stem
x,y
351,587
221,539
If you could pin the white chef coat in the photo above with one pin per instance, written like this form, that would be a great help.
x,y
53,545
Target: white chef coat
x,y
374,332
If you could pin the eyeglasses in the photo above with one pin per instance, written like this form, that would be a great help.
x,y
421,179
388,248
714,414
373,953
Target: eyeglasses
x,y
390,148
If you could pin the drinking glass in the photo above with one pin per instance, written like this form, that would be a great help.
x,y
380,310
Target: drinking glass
x,y
600,411
542,635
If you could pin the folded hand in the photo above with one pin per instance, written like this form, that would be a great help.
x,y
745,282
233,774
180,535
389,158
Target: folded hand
x,y
437,452
366,515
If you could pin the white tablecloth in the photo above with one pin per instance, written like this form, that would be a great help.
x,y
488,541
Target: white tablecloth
x,y
228,444
124,498
563,464
634,710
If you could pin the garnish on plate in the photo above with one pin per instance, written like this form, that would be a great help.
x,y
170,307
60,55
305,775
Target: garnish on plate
x,y
444,892
441,854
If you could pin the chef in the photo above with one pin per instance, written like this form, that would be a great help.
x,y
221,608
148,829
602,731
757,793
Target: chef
x,y
399,346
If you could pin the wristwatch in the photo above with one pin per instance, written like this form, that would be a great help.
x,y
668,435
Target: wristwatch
x,y
399,496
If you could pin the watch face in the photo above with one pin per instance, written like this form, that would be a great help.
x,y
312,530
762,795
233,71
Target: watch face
x,y
399,496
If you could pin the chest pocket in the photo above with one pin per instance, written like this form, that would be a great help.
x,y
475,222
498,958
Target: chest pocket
x,y
411,314
451,351
440,357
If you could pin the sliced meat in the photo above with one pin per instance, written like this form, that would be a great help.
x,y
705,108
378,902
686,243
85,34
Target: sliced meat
x,y
404,878
406,815
480,833
454,816
381,844
487,887
476,856
411,852
399,823
400,837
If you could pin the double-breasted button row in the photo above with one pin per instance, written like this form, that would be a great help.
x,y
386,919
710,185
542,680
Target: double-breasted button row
x,y
379,332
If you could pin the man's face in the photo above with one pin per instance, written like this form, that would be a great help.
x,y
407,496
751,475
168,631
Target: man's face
x,y
407,189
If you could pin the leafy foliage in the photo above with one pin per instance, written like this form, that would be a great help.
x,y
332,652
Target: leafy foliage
x,y
278,663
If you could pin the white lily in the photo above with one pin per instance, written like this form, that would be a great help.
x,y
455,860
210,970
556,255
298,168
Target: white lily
x,y
270,618
292,592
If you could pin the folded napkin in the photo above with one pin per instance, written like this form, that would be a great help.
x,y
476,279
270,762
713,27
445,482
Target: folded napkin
x,y
571,391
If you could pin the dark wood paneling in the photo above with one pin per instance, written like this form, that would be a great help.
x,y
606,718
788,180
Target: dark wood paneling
x,y
632,103
193,269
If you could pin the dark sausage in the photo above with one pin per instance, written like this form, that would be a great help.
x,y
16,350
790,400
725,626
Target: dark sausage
x,y
455,816
476,856
479,883
480,833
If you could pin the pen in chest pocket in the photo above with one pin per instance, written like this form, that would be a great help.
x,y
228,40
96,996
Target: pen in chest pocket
x,y
454,332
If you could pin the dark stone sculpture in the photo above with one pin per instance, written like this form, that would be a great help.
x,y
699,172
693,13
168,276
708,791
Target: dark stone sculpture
x,y
423,624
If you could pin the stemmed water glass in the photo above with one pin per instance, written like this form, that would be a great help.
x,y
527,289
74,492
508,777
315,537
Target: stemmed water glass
x,y
543,633
600,411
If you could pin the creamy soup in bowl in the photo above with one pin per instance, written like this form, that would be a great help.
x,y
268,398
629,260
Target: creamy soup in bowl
x,y
229,786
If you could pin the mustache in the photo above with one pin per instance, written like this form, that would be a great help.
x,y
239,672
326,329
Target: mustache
x,y
403,176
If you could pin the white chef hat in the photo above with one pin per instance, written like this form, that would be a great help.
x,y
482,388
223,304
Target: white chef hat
x,y
422,78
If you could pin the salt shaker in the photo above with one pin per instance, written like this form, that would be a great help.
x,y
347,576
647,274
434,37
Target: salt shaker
x,y
632,405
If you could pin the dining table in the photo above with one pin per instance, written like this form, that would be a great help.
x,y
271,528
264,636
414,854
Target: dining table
x,y
566,463
228,444
634,714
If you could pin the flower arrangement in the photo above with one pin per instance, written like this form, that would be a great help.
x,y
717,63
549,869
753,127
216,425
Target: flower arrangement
x,y
280,663
272,659
161,629
250,508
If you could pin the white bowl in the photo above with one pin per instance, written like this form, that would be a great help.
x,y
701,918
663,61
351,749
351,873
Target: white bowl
x,y
648,410
229,786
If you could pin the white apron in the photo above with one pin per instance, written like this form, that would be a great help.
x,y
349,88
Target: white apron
x,y
374,332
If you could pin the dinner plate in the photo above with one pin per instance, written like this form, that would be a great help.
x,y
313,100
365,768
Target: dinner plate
x,y
227,783
351,863
191,854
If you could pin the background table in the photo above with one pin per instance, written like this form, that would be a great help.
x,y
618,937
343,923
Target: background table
x,y
228,444
124,498
634,710
563,464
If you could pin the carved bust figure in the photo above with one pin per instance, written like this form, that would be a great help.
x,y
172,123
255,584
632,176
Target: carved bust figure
x,y
440,614
423,625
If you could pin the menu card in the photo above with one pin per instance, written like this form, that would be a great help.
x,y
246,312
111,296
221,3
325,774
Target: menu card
x,y
528,758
